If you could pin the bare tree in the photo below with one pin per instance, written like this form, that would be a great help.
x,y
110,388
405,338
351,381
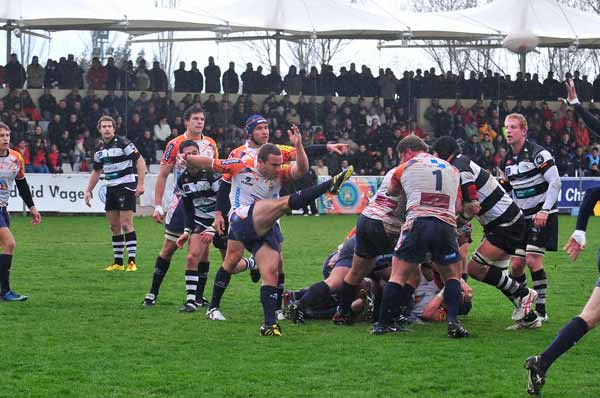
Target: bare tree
x,y
264,51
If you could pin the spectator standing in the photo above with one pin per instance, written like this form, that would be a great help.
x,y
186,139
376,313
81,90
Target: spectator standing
x,y
212,76
14,73
35,74
97,75
195,78
158,78
231,83
182,83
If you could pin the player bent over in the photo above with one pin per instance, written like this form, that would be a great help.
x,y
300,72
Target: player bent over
x,y
256,210
12,169
503,227
431,187
115,157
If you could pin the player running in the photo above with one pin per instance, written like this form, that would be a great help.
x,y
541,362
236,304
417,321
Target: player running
x,y
12,169
257,207
431,186
533,180
503,226
115,157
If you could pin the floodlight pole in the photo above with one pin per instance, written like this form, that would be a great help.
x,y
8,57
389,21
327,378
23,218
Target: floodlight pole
x,y
278,50
8,39
523,63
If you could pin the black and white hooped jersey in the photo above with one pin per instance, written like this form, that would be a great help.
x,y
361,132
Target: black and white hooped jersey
x,y
201,191
496,206
116,159
525,172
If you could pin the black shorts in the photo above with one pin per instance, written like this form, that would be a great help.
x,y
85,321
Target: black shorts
x,y
120,198
539,240
371,238
507,238
428,235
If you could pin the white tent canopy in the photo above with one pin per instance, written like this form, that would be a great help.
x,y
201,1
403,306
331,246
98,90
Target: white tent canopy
x,y
554,24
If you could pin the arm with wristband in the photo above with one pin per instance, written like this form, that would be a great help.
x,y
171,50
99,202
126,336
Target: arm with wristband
x,y
577,240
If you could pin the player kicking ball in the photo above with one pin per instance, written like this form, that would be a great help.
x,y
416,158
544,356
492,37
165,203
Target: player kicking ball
x,y
257,207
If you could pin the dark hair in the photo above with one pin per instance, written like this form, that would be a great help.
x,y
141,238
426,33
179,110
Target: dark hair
x,y
191,110
188,143
266,150
413,143
445,147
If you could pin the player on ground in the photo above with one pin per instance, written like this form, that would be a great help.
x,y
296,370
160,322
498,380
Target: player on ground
x,y
257,128
377,230
537,366
194,119
431,186
533,177
12,169
503,226
115,157
256,209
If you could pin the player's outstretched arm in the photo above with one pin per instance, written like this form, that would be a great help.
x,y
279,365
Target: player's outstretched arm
x,y
590,120
300,168
159,191
94,178
577,241
201,162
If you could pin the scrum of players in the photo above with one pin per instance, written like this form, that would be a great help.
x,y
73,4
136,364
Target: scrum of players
x,y
388,270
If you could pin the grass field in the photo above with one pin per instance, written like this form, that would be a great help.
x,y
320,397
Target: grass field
x,y
83,333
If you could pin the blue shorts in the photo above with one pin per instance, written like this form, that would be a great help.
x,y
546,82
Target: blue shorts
x,y
371,238
428,235
328,266
242,229
4,218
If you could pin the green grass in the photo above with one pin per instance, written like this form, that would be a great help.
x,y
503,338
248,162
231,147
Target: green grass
x,y
83,333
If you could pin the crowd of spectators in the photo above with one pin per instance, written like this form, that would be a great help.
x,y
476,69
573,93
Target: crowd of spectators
x,y
376,112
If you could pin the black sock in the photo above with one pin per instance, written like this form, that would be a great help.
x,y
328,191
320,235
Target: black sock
x,y
565,339
391,302
540,284
222,279
522,279
347,296
268,299
464,276
299,199
191,285
160,270
315,295
203,267
118,243
280,287
131,244
5,265
452,296
407,296
503,282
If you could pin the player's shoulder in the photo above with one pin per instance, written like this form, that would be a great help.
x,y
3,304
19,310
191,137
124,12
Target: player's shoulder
x,y
462,163
538,153
122,141
15,154
237,152
209,140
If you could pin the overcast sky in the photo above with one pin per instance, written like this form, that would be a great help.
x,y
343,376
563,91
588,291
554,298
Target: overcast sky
x,y
358,51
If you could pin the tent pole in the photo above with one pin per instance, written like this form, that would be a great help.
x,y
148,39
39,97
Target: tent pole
x,y
8,39
523,63
278,51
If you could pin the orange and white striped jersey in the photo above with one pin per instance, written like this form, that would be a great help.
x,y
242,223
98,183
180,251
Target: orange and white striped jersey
x,y
207,147
431,186
247,184
12,167
387,208
246,152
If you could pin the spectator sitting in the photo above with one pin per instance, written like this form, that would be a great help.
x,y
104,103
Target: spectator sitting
x,y
39,160
54,160
390,159
147,147
279,138
473,149
592,159
487,143
23,148
162,130
320,168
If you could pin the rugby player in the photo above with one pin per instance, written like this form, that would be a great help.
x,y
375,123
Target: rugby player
x,y
537,366
503,226
532,177
256,209
199,189
431,186
194,119
257,129
115,157
12,170
377,230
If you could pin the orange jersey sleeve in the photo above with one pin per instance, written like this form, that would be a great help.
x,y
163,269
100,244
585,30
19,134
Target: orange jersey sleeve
x,y
229,166
171,150
21,162
234,154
